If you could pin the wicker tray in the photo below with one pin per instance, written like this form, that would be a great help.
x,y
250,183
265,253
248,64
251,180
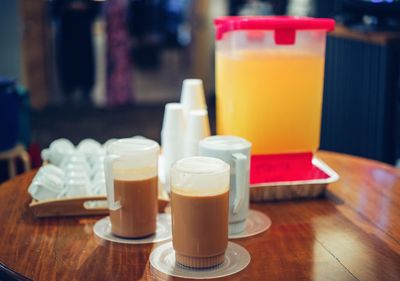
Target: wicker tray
x,y
81,206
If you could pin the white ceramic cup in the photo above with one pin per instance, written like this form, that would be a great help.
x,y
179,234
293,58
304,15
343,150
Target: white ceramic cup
x,y
46,185
57,150
76,187
236,152
108,142
98,187
74,159
76,174
97,170
76,167
51,169
89,147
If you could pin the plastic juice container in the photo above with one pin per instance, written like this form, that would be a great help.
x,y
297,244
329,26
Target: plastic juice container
x,y
269,81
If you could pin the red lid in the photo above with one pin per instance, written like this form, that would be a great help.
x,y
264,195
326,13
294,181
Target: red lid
x,y
280,23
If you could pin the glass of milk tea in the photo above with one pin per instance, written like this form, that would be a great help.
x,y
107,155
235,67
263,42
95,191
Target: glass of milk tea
x,y
132,186
200,207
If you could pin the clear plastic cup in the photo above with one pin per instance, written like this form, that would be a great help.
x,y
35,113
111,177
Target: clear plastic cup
x,y
200,205
132,186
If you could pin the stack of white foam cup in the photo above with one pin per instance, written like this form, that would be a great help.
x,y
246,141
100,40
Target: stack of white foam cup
x,y
184,125
197,129
172,134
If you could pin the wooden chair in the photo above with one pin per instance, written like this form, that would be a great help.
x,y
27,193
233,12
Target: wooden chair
x,y
11,155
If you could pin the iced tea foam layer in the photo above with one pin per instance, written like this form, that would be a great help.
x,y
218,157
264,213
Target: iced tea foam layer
x,y
133,159
225,143
200,176
133,174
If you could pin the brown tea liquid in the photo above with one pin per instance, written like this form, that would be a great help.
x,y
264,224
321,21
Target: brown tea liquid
x,y
200,229
139,207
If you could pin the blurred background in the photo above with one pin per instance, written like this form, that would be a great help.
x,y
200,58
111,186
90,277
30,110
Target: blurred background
x,y
104,69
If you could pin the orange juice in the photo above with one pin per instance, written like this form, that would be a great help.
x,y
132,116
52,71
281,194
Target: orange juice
x,y
271,97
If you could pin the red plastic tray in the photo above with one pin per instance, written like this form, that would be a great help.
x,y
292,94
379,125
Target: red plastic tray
x,y
286,168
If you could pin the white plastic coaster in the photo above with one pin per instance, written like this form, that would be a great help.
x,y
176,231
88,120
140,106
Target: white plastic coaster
x,y
162,259
256,223
102,229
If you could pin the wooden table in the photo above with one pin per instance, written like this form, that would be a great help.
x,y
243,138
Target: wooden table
x,y
352,234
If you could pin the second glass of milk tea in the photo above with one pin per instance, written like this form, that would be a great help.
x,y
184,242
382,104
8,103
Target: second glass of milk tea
x,y
200,204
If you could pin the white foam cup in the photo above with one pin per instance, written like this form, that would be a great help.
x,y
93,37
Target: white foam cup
x,y
172,134
192,95
198,127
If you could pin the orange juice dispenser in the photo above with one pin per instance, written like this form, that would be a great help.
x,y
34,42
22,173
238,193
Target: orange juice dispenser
x,y
269,81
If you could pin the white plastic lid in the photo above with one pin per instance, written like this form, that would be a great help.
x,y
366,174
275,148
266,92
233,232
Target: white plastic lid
x,y
133,158
225,143
200,176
